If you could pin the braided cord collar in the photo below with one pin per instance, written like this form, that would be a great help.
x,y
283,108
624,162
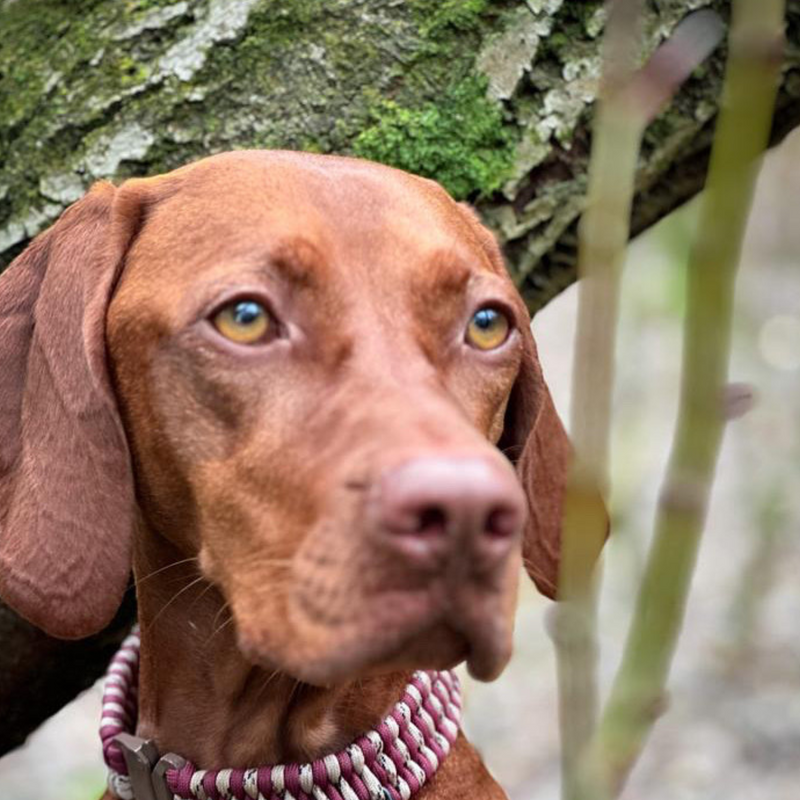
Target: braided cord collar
x,y
391,762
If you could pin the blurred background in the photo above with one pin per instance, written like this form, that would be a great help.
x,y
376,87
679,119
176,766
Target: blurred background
x,y
732,728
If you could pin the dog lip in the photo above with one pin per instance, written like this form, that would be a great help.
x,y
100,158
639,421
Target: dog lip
x,y
433,627
426,638
486,664
489,637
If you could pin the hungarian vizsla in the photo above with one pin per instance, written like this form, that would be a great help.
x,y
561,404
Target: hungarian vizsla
x,y
288,390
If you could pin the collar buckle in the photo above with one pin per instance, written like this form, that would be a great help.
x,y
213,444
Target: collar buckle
x,y
146,771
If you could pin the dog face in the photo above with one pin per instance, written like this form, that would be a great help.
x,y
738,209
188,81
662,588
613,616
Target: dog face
x,y
310,363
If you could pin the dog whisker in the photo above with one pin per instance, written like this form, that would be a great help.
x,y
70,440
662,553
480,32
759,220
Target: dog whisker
x,y
220,628
166,605
265,683
293,691
202,594
168,566
222,609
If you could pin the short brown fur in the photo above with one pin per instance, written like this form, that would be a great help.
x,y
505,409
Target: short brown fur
x,y
239,483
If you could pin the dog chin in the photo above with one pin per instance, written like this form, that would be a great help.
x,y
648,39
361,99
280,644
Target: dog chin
x,y
486,663
440,646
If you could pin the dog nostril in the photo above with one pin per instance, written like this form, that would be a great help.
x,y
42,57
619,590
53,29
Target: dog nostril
x,y
432,521
501,523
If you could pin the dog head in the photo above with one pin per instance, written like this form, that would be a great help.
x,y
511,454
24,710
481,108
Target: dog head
x,y
311,373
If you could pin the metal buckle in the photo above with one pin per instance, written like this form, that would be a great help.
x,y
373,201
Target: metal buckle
x,y
159,775
147,772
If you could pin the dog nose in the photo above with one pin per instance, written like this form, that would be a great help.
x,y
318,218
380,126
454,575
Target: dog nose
x,y
430,507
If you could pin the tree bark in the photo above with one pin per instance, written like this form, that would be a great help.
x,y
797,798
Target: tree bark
x,y
39,675
491,97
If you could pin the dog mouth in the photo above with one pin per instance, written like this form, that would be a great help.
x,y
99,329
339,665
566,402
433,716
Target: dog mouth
x,y
421,630
445,646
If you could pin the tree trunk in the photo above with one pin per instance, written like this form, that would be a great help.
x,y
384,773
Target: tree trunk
x,y
38,674
493,98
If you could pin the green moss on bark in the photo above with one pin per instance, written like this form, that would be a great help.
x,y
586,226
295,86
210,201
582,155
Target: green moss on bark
x,y
492,98
461,141
436,15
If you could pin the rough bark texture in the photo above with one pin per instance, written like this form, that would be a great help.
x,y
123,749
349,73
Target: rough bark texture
x,y
491,97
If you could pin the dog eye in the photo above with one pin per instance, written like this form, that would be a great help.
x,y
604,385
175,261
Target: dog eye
x,y
243,321
488,329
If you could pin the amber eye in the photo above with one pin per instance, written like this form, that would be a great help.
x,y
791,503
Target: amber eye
x,y
244,321
488,329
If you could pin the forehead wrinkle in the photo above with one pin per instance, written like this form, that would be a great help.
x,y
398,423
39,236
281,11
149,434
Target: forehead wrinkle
x,y
191,234
446,271
298,261
369,223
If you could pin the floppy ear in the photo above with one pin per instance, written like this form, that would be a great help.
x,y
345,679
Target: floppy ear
x,y
535,440
66,491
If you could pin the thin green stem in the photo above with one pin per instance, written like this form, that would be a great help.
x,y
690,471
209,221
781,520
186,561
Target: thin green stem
x,y
637,694
604,233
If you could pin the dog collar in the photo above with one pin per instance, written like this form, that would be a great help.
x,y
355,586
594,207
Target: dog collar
x,y
391,762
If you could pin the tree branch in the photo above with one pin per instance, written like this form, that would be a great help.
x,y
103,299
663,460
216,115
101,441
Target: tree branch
x,y
492,97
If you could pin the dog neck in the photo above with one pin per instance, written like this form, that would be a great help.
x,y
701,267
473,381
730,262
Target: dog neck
x,y
200,698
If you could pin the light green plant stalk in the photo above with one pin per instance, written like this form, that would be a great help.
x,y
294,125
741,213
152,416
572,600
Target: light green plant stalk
x,y
604,234
628,101
757,576
637,695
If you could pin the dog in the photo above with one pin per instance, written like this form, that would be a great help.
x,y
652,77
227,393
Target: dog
x,y
298,395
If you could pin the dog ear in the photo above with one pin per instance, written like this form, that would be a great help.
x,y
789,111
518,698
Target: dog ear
x,y
534,440
66,490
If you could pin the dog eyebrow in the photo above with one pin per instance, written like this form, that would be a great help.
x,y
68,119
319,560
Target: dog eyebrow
x,y
298,261
448,272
